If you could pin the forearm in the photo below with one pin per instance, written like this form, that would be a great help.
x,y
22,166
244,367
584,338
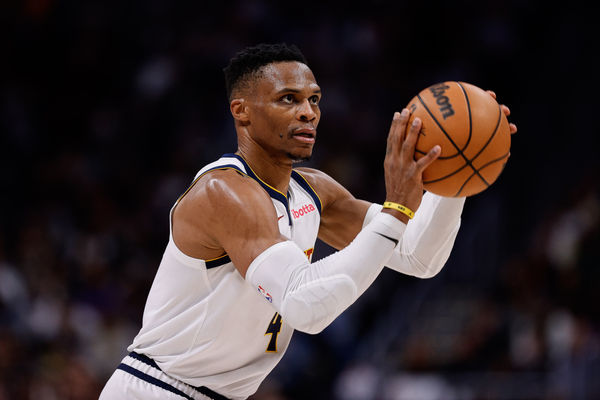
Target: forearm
x,y
310,296
429,237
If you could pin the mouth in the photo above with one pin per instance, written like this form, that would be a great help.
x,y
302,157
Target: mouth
x,y
305,135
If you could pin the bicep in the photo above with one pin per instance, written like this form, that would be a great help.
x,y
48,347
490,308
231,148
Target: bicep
x,y
246,231
246,235
238,216
342,221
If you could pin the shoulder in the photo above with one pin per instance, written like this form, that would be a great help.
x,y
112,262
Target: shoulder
x,y
225,212
226,194
220,202
226,186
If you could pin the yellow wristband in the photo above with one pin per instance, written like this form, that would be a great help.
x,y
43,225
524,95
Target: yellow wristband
x,y
399,207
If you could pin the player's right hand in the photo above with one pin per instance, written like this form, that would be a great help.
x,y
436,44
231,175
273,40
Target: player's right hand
x,y
404,175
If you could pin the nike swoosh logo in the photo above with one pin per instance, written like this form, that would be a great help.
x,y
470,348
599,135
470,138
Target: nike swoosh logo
x,y
389,238
278,218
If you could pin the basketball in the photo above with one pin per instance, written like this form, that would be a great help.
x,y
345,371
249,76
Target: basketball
x,y
472,131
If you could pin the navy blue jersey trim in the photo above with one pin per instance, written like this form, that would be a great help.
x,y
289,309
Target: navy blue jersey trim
x,y
157,382
144,358
152,380
272,192
217,262
306,186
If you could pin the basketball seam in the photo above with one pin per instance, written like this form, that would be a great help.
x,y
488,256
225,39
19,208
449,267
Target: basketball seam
x,y
495,160
470,128
492,136
467,161
482,167
470,117
446,176
439,158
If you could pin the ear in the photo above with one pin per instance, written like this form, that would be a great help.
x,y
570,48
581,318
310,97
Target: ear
x,y
239,110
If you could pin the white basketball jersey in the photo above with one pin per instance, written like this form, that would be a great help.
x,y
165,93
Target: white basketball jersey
x,y
203,323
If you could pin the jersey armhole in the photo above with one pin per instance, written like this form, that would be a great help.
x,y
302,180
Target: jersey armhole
x,y
301,180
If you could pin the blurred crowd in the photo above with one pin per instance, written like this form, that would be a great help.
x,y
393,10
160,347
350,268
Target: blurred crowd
x,y
108,109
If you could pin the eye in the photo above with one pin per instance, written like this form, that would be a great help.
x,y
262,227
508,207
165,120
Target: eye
x,y
288,99
314,99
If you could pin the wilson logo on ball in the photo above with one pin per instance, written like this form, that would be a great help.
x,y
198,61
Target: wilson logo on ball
x,y
441,100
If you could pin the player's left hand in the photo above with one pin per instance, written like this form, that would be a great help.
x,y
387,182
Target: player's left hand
x,y
506,111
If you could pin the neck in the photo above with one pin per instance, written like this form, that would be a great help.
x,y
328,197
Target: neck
x,y
271,169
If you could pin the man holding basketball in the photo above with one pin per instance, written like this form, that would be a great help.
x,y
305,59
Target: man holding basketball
x,y
236,277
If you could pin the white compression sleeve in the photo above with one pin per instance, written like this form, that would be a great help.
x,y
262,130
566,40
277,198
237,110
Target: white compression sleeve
x,y
310,296
429,237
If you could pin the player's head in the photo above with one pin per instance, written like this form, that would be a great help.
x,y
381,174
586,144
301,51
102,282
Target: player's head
x,y
246,66
274,99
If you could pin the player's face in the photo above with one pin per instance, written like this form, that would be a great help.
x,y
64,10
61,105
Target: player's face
x,y
284,110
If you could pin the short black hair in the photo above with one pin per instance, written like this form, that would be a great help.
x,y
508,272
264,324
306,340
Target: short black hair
x,y
249,61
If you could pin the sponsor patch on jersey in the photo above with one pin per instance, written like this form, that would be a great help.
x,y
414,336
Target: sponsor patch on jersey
x,y
305,209
267,295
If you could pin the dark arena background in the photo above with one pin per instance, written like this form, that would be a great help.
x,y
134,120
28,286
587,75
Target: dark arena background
x,y
108,109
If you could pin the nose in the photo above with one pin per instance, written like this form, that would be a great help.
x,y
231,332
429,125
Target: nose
x,y
306,113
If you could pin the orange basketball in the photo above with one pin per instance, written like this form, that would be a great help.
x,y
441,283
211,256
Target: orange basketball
x,y
472,131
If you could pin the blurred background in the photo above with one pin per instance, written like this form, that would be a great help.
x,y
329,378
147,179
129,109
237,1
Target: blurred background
x,y
108,109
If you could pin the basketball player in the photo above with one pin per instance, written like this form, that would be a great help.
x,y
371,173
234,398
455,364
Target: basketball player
x,y
236,278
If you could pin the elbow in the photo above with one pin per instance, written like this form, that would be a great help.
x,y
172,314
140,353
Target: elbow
x,y
434,262
427,270
313,307
431,271
303,320
310,329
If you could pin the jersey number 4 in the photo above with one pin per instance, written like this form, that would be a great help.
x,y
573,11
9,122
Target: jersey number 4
x,y
273,330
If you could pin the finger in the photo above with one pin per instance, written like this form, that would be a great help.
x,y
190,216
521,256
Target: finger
x,y
430,157
404,118
513,128
391,139
408,147
397,129
492,93
505,110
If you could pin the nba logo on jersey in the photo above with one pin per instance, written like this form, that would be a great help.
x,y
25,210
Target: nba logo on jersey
x,y
265,293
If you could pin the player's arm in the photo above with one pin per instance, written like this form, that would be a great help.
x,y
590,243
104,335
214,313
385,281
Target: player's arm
x,y
429,236
426,243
